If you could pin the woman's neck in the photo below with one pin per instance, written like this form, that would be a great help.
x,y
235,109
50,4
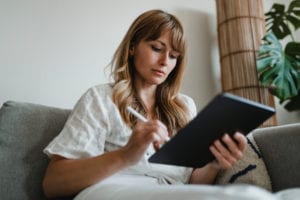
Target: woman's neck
x,y
147,97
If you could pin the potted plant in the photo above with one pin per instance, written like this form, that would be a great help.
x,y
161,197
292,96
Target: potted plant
x,y
279,68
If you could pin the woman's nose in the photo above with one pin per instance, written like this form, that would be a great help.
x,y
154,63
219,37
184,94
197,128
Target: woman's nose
x,y
164,59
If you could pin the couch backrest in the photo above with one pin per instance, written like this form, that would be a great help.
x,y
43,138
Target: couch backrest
x,y
280,148
25,129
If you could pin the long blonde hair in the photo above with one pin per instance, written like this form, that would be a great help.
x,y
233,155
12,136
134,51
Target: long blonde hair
x,y
150,26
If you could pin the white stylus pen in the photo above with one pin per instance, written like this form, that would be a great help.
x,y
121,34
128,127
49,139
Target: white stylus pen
x,y
136,114
139,116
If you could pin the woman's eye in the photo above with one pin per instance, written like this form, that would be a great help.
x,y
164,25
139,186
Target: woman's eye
x,y
174,56
157,49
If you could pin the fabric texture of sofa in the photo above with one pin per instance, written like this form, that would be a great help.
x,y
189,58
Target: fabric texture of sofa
x,y
26,128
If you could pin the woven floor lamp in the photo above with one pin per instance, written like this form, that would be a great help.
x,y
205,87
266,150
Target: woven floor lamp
x,y
241,25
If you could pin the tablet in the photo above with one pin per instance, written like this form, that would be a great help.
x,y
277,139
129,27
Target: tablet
x,y
226,113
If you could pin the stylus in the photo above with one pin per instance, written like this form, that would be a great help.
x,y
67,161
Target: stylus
x,y
136,114
139,116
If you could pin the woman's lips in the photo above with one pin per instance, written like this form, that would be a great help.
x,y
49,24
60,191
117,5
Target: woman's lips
x,y
158,72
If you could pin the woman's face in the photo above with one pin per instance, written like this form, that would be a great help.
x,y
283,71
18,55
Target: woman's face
x,y
154,60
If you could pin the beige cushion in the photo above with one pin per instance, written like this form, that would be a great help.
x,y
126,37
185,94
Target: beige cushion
x,y
250,169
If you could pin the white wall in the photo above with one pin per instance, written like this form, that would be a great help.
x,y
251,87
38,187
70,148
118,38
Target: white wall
x,y
53,50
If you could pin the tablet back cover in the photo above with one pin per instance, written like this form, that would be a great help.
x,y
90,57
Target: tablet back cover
x,y
226,113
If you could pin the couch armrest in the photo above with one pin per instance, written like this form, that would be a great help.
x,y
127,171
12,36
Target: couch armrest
x,y
280,148
25,129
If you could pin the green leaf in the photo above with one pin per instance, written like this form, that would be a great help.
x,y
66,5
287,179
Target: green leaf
x,y
263,64
293,49
293,13
268,76
292,52
295,21
279,69
294,7
277,19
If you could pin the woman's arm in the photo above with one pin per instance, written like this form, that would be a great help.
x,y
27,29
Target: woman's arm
x,y
226,156
204,175
66,177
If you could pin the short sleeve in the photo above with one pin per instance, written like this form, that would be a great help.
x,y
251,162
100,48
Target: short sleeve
x,y
85,130
189,102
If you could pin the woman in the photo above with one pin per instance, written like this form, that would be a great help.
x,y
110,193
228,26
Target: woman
x,y
103,142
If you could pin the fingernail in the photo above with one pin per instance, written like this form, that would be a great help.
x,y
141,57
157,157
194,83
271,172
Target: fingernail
x,y
225,136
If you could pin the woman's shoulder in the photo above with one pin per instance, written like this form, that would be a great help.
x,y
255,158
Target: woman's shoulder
x,y
97,93
184,97
189,102
103,89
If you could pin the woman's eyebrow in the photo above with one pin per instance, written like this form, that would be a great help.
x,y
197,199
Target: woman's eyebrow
x,y
161,42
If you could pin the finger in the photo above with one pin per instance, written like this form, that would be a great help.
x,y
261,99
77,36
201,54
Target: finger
x,y
154,131
145,133
160,123
158,141
221,148
156,137
221,161
232,146
224,152
241,140
161,129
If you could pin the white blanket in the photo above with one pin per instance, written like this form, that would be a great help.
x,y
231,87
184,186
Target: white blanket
x,y
128,187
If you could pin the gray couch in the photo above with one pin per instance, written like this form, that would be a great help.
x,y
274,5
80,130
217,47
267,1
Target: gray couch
x,y
25,129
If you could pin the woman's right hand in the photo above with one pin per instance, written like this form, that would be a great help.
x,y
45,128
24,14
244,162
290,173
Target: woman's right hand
x,y
144,134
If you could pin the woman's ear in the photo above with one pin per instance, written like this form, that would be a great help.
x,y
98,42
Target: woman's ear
x,y
131,51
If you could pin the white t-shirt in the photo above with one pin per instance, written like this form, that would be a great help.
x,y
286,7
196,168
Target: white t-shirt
x,y
95,126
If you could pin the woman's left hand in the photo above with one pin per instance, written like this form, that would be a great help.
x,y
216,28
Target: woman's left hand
x,y
227,155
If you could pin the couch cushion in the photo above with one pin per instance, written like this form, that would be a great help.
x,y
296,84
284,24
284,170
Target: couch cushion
x,y
280,150
250,169
25,129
